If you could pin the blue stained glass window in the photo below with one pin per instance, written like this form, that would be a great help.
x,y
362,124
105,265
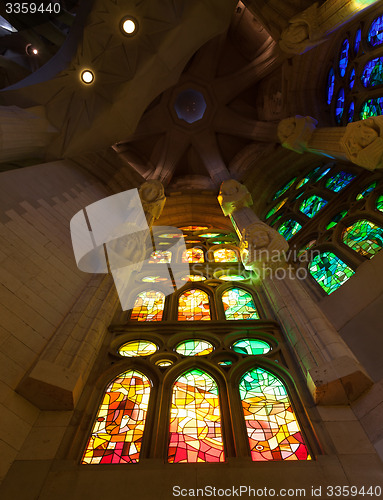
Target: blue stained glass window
x,y
325,172
339,181
339,108
334,221
288,228
352,78
373,72
351,111
358,39
311,206
367,190
375,34
329,271
343,59
330,85
372,107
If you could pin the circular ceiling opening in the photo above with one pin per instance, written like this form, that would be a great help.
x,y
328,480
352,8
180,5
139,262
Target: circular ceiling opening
x,y
190,105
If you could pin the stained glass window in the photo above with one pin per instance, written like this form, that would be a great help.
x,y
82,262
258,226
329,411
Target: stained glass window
x,y
375,34
329,271
172,235
149,306
137,348
194,347
351,111
276,208
306,247
225,362
288,228
367,190
272,427
239,304
194,255
154,279
232,277
330,85
195,420
119,426
308,177
160,257
352,78
343,59
379,203
193,277
284,188
358,39
251,346
273,222
193,305
225,255
192,241
311,206
373,72
334,221
339,108
371,107
364,237
193,228
339,181
210,235
325,172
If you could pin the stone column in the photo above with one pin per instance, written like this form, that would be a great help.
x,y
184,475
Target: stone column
x,y
310,27
332,372
24,133
57,379
360,142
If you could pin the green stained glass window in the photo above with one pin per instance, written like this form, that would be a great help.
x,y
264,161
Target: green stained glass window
x,y
194,347
308,177
339,181
275,220
225,362
379,203
137,348
371,107
210,235
193,255
367,190
311,206
232,277
159,257
288,228
225,255
195,433
306,247
373,72
193,305
276,207
149,306
329,271
364,237
325,172
334,221
272,427
116,436
251,346
285,188
239,304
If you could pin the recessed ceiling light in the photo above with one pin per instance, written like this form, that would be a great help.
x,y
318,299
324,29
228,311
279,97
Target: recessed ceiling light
x,y
129,26
87,76
35,51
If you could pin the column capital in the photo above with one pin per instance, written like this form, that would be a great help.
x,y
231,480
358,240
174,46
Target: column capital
x,y
295,132
363,143
302,32
153,198
233,196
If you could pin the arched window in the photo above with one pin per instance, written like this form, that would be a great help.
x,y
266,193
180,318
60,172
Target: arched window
x,y
373,72
193,255
160,257
119,426
193,305
343,58
339,181
311,206
195,433
149,306
272,427
239,304
364,237
285,188
375,34
288,228
329,271
225,255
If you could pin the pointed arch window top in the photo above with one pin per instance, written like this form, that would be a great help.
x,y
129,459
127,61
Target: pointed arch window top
x,y
272,427
239,304
149,306
193,305
119,426
195,433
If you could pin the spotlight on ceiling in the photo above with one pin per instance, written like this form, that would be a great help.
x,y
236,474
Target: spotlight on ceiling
x,y
129,26
30,50
87,76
